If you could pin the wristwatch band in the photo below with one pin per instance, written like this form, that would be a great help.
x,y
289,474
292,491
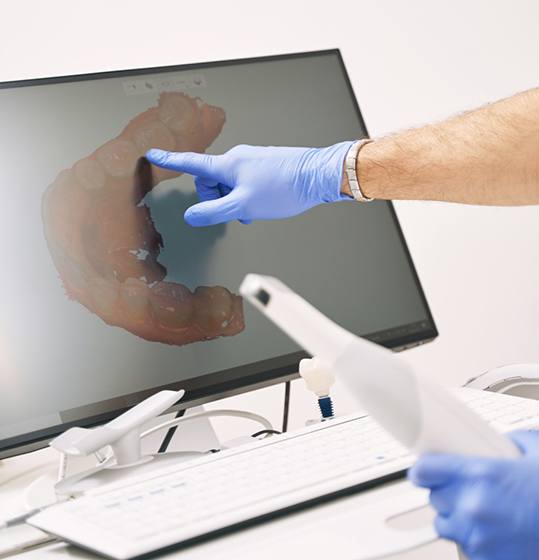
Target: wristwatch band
x,y
350,167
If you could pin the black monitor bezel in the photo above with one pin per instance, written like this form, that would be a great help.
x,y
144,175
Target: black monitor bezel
x,y
226,383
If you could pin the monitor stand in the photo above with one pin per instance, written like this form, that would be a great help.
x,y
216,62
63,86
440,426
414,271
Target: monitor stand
x,y
30,479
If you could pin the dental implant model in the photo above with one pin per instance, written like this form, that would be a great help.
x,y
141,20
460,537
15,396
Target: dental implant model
x,y
319,379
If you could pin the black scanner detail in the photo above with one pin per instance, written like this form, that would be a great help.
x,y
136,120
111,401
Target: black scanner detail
x,y
262,296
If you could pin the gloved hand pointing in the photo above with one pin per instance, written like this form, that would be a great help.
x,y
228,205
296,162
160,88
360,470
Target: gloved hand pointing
x,y
490,507
258,183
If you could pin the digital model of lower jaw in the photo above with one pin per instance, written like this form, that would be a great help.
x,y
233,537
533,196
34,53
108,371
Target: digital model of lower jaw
x,y
104,243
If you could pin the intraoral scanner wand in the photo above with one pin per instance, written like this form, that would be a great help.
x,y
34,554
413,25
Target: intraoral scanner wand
x,y
421,414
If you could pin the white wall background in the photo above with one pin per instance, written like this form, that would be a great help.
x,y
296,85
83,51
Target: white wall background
x,y
410,62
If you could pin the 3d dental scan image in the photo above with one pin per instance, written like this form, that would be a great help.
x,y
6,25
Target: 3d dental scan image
x,y
105,244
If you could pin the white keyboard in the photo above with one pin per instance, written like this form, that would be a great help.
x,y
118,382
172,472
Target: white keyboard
x,y
179,503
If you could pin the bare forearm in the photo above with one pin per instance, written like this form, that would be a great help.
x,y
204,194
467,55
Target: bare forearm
x,y
487,156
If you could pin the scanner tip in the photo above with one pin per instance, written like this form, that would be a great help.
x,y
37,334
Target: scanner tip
x,y
262,296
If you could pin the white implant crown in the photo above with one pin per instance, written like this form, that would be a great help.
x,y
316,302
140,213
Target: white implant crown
x,y
317,375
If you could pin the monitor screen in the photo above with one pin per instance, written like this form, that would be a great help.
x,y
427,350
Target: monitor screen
x,y
108,295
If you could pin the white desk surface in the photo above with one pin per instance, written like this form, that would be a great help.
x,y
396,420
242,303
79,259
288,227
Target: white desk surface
x,y
330,530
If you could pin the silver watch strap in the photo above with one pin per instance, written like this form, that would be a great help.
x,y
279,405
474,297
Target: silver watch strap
x,y
350,167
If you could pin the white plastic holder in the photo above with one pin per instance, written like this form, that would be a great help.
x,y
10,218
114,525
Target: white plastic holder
x,y
31,481
122,435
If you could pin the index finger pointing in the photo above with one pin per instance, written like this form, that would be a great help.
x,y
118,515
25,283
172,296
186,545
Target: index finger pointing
x,y
202,165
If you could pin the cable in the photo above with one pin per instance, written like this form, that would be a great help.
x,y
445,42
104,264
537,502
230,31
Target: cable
x,y
286,407
209,414
20,519
172,425
170,434
266,433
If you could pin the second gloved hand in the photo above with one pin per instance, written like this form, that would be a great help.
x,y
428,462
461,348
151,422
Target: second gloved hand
x,y
490,507
258,183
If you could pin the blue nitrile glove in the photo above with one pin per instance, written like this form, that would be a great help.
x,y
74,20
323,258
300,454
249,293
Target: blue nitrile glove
x,y
258,183
490,507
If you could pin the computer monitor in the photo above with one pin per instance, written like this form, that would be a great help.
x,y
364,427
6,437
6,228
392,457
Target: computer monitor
x,y
107,295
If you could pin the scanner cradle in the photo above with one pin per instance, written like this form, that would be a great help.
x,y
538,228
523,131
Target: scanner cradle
x,y
123,436
122,433
422,415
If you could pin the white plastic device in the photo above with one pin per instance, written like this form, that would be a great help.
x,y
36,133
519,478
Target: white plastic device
x,y
123,435
418,412
519,379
